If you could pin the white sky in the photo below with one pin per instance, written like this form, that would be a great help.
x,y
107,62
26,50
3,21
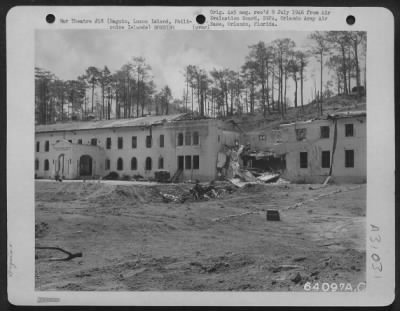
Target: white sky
x,y
67,53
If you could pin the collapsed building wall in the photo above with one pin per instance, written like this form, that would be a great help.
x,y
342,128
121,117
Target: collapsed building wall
x,y
310,151
333,147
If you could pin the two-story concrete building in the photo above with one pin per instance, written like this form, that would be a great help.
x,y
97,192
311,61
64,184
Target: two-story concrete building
x,y
334,145
132,147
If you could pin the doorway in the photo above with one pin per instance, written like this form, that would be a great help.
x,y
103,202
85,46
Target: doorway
x,y
60,165
85,165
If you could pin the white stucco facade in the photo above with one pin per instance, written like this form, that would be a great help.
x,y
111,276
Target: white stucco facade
x,y
345,159
126,148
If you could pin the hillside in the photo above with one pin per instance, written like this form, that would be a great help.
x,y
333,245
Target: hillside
x,y
333,104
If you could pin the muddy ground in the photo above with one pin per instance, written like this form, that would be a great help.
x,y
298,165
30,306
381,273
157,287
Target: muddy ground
x,y
131,240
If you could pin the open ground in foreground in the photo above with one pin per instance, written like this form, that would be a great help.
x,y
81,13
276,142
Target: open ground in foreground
x,y
131,240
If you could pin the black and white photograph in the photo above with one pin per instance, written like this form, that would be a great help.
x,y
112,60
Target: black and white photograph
x,y
215,161
211,156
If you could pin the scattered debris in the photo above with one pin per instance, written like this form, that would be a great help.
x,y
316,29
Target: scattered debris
x,y
240,184
69,257
167,198
321,196
299,259
297,279
273,215
246,176
315,273
41,229
199,192
111,176
235,215
162,176
327,180
237,250
286,267
268,177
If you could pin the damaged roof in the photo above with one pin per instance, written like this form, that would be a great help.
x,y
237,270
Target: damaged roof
x,y
347,114
90,125
335,115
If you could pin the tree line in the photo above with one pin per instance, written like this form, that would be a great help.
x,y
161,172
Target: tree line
x,y
261,84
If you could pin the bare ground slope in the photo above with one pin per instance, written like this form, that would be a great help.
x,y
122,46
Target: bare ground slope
x,y
131,240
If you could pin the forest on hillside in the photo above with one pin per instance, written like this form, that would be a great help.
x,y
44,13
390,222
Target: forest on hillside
x,y
260,86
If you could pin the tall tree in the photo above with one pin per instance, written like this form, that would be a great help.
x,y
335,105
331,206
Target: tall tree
x,y
293,69
356,38
334,63
104,82
341,41
320,49
283,49
92,76
166,98
142,73
302,57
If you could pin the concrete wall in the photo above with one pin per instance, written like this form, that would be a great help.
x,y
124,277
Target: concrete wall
x,y
207,148
68,165
358,143
314,145
262,140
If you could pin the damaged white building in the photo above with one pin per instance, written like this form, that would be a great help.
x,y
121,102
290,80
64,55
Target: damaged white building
x,y
186,148
310,151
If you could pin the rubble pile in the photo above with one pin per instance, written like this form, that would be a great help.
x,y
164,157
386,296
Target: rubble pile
x,y
199,192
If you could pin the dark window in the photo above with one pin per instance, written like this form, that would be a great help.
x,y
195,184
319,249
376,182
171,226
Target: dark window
x,y
196,162
93,142
108,163
148,164
133,164
188,162
37,146
70,140
188,138
36,164
148,141
80,141
324,131
108,143
349,158
120,164
120,143
180,139
160,163
46,165
301,134
303,159
180,162
195,138
46,146
161,141
325,159
134,141
349,130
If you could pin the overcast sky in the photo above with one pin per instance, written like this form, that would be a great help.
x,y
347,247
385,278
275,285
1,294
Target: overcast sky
x,y
67,53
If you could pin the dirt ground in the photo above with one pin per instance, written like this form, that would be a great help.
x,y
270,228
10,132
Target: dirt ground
x,y
130,240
